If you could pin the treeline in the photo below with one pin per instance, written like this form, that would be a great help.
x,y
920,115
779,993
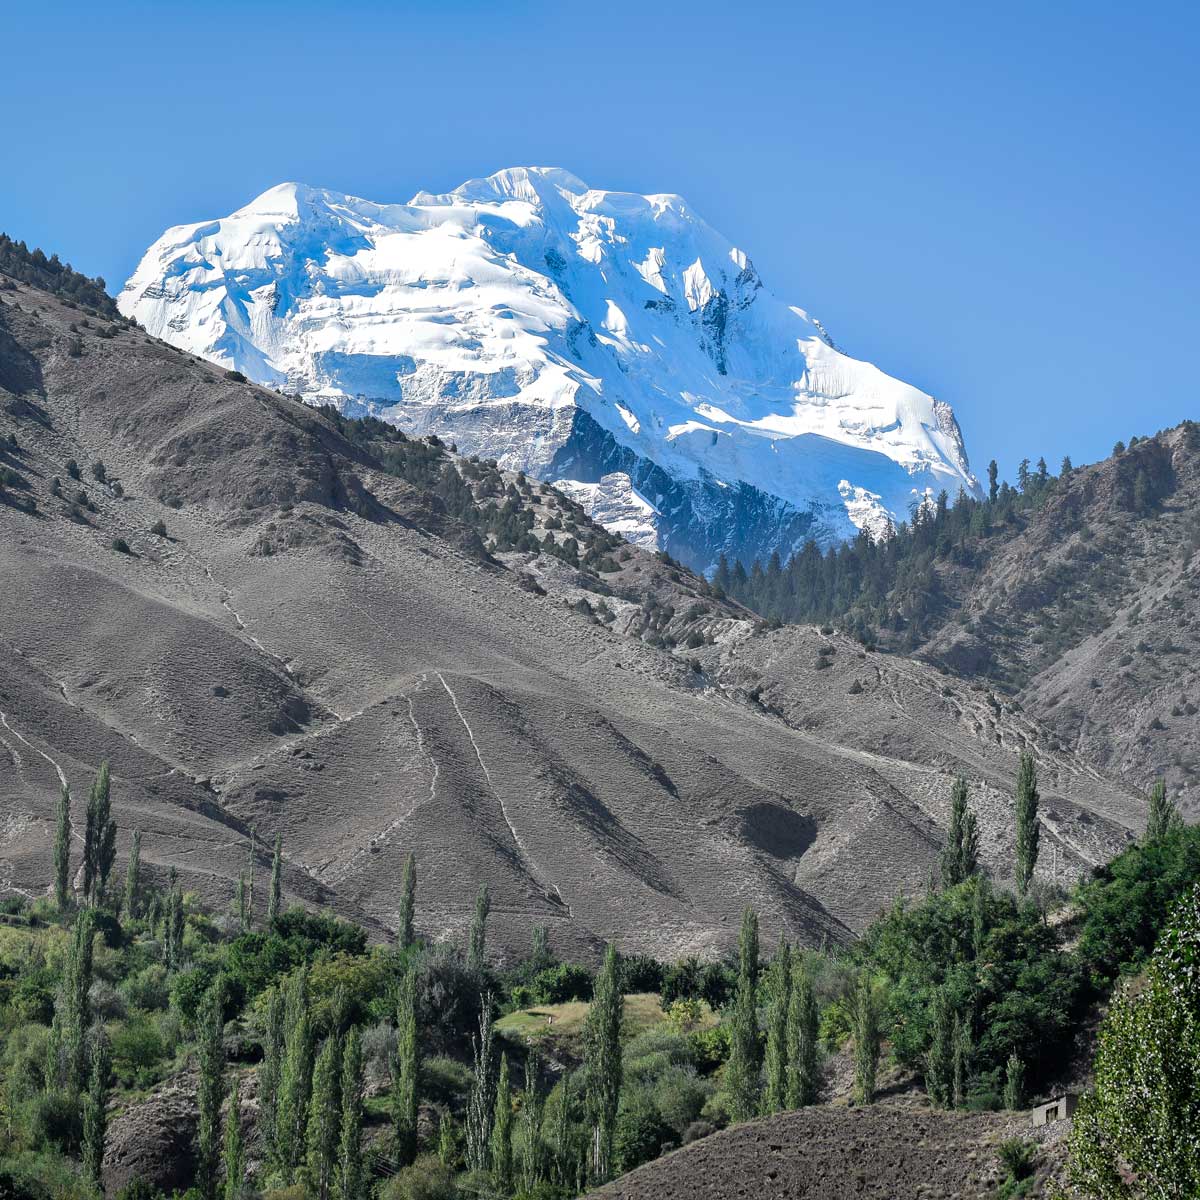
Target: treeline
x,y
17,261
391,1072
891,583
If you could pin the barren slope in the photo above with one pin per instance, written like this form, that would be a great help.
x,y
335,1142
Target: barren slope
x,y
322,649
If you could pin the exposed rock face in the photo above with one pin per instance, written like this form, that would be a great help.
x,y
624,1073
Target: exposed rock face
x,y
154,1140
565,331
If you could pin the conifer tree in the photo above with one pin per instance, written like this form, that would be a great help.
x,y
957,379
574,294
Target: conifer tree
x,y
276,893
1027,823
99,838
174,926
502,1150
270,1076
743,1069
1163,817
865,1023
324,1119
482,1100
1014,1082
960,857
405,930
62,850
477,943
133,878
803,1030
602,1061
350,1176
1066,467
406,1071
95,1119
993,481
775,1096
211,1089
295,1086
235,1157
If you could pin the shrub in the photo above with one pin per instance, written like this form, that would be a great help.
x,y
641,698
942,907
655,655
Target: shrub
x,y
159,528
680,1094
236,377
147,989
99,474
73,469
641,973
561,983
137,1048
444,1080
120,545
56,1120
426,1179
640,1132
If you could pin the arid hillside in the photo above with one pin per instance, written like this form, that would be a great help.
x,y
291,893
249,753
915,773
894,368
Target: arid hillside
x,y
363,643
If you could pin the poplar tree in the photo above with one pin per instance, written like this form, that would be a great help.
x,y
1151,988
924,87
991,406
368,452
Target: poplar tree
x,y
502,1150
95,1117
939,1059
1027,823
1163,817
742,1070
211,1089
477,943
531,1125
602,1061
62,849
133,878
250,878
482,1100
1014,1082
270,1076
295,1086
960,857
961,1059
235,1157
99,838
350,1165
276,881
68,1059
174,925
240,904
865,1024
324,1119
406,1071
803,1030
405,930
775,1097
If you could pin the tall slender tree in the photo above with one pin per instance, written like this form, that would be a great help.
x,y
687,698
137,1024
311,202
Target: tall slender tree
x,y
961,1059
95,1117
73,1011
240,904
502,1131
743,1069
235,1156
1014,1082
405,927
276,893
532,1158
960,856
1163,817
939,1059
324,1119
477,943
993,481
99,838
350,1177
482,1101
406,1071
1027,823
270,1076
62,849
133,878
251,853
174,926
803,1030
602,1061
865,1024
295,1086
211,1089
780,998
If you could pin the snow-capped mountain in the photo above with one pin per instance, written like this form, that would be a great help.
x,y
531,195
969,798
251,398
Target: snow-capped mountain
x,y
607,339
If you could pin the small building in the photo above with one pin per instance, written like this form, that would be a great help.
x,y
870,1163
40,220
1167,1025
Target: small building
x,y
1057,1109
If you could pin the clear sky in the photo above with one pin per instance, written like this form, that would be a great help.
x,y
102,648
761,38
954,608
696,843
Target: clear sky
x,y
997,202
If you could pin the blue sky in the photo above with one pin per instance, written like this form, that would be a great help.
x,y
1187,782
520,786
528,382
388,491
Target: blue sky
x,y
995,202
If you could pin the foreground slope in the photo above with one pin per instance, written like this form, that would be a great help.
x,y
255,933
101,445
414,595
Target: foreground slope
x,y
606,338
321,647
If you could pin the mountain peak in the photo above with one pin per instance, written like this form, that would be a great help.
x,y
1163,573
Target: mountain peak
x,y
572,333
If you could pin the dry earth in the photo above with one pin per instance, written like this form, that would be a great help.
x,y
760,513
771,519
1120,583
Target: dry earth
x,y
318,649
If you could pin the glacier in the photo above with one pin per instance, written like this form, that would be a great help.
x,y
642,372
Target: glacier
x,y
609,341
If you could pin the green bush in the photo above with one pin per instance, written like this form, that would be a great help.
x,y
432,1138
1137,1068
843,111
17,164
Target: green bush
x,y
426,1179
56,1120
562,983
137,1048
640,1132
147,989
